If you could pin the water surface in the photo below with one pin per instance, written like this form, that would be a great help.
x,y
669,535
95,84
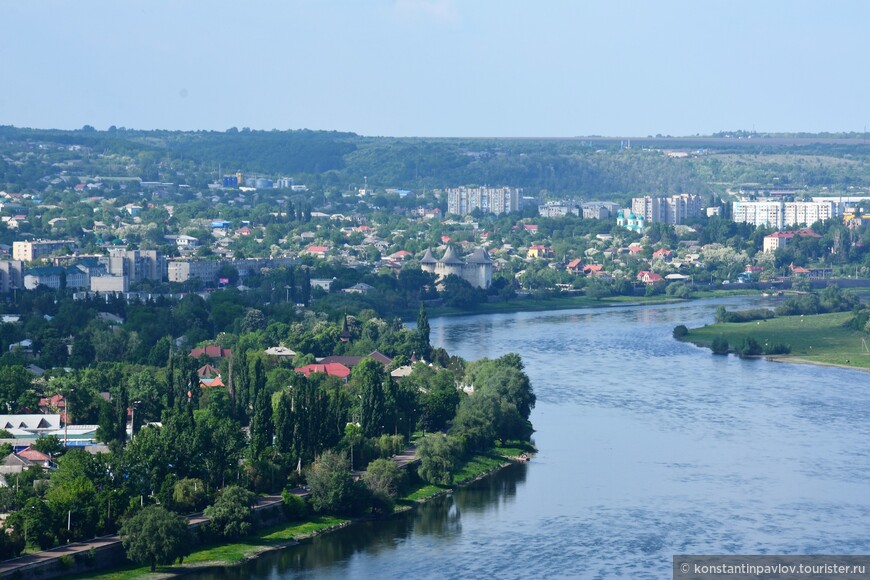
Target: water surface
x,y
648,447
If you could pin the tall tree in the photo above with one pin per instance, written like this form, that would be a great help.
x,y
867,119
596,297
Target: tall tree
x,y
423,328
261,425
369,378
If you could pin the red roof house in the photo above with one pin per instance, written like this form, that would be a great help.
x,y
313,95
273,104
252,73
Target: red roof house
x,y
212,350
330,369
648,277
575,266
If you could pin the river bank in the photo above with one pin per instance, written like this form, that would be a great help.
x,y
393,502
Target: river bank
x,y
818,339
280,536
569,303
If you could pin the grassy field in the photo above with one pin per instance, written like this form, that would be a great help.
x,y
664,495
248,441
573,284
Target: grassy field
x,y
821,338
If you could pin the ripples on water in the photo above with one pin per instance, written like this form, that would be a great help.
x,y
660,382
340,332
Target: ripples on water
x,y
648,447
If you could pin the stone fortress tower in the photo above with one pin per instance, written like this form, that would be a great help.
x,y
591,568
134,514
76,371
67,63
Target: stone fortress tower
x,y
476,269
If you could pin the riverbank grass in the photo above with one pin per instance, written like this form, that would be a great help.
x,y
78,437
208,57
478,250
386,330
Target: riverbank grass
x,y
470,469
818,339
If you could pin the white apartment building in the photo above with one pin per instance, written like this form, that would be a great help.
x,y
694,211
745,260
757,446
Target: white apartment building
x,y
498,200
673,210
781,214
30,251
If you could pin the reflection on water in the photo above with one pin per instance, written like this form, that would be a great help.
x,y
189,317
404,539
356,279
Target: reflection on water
x,y
648,447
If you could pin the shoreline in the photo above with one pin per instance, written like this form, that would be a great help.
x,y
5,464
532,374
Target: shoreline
x,y
786,359
184,569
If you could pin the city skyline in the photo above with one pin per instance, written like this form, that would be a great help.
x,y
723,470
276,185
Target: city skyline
x,y
437,68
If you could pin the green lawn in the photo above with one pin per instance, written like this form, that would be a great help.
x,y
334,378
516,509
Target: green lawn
x,y
470,469
820,338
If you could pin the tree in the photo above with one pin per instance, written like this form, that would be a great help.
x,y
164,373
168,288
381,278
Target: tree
x,y
222,442
155,536
439,457
332,487
719,345
384,478
475,421
423,326
262,428
188,494
50,445
230,515
369,378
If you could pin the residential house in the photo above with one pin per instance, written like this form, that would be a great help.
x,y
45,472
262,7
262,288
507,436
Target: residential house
x,y
330,369
575,266
648,277
212,351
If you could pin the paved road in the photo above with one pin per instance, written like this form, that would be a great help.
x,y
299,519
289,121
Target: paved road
x,y
9,567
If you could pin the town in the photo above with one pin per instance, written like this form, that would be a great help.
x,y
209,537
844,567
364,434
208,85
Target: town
x,y
170,330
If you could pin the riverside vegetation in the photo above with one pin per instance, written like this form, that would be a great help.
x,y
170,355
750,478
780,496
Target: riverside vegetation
x,y
302,430
828,327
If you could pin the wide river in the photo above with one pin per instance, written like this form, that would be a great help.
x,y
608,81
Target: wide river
x,y
647,447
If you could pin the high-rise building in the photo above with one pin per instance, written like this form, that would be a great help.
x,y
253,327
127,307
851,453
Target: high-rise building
x,y
30,251
11,275
498,200
673,210
781,214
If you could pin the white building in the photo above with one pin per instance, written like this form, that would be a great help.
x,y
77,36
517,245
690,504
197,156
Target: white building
x,y
673,210
781,214
498,200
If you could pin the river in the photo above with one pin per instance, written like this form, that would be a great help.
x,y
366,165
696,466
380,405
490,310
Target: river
x,y
647,447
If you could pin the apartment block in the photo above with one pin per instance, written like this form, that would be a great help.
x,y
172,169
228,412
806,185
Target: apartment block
x,y
498,200
673,210
34,250
781,214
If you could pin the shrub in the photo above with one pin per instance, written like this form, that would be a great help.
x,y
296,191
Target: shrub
x,y
294,506
66,562
680,331
719,345
230,514
749,347
777,348
723,315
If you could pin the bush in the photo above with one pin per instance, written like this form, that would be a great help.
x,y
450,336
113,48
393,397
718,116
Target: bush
x,y
66,562
384,477
439,457
723,315
230,514
749,347
719,345
294,506
680,331
332,486
678,290
777,348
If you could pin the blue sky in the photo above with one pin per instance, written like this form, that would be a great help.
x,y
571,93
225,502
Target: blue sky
x,y
523,68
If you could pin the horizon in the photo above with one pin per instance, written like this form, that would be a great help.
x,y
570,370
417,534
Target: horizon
x,y
439,68
725,134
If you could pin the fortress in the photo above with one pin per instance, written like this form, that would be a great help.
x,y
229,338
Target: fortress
x,y
476,269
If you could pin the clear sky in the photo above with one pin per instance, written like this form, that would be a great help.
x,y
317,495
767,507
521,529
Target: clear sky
x,y
524,68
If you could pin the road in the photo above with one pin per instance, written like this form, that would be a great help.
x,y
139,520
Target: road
x,y
22,563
